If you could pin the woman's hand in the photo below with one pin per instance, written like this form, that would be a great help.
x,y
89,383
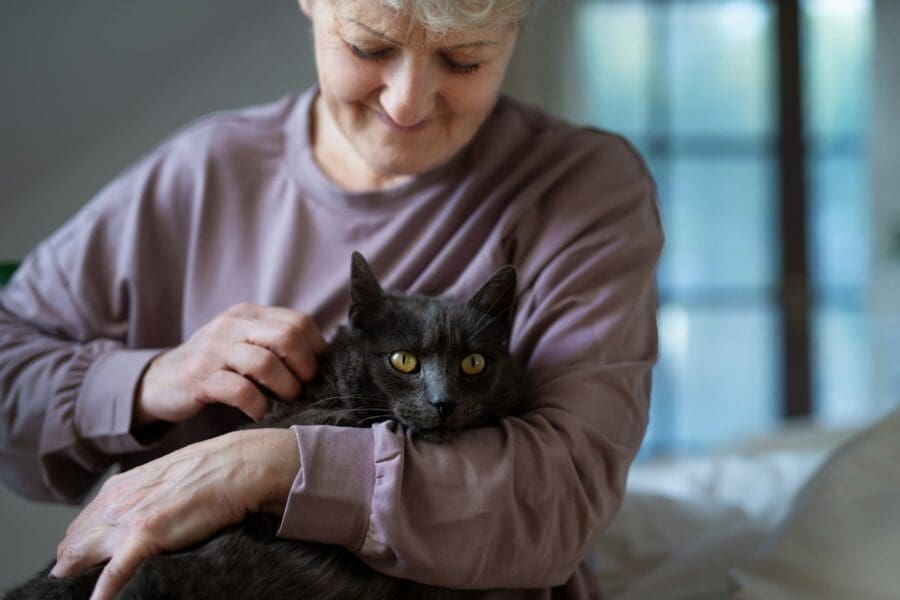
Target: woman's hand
x,y
178,500
226,361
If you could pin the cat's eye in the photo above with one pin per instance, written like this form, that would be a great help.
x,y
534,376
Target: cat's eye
x,y
404,361
473,364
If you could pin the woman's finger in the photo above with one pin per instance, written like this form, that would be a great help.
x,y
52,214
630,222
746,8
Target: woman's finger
x,y
120,568
295,341
85,550
262,366
300,358
303,323
235,390
293,318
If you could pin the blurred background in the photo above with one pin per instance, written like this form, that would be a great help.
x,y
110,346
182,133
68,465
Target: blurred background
x,y
772,129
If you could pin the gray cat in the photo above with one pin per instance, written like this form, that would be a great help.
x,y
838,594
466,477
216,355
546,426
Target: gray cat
x,y
435,365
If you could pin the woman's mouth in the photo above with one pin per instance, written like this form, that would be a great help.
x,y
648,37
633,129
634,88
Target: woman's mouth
x,y
394,126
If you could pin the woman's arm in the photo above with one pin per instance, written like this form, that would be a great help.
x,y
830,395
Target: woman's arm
x,y
92,324
177,500
515,505
75,388
68,367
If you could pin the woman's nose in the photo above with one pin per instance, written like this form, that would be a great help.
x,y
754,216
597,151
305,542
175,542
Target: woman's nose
x,y
409,93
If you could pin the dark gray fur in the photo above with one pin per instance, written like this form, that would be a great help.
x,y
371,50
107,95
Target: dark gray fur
x,y
357,387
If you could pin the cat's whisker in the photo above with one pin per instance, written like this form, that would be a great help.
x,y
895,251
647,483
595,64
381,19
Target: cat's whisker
x,y
348,411
374,419
329,399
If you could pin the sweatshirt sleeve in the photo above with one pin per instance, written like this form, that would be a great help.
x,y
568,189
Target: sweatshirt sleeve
x,y
516,505
71,320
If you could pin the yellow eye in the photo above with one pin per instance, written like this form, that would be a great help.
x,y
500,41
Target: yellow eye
x,y
404,361
473,364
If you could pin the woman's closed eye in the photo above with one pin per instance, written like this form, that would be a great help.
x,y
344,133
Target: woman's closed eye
x,y
458,67
371,54
379,54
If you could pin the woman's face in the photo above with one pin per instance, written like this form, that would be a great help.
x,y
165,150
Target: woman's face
x,y
396,101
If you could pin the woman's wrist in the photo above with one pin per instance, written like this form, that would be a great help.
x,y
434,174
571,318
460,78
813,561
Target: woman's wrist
x,y
271,461
142,415
145,426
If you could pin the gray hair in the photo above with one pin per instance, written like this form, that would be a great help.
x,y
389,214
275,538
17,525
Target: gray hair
x,y
441,16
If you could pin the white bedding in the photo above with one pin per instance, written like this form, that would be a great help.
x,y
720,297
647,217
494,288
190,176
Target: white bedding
x,y
685,524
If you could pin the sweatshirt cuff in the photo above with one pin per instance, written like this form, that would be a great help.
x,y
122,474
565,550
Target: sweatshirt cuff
x,y
331,496
103,408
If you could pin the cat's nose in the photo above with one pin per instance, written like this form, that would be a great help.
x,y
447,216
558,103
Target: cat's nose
x,y
444,406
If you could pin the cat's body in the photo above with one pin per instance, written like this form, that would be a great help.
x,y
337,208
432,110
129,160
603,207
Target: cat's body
x,y
436,366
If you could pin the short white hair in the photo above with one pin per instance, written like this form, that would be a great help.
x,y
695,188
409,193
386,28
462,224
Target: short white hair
x,y
441,16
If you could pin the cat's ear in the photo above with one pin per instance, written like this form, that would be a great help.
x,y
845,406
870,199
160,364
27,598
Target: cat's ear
x,y
497,297
365,292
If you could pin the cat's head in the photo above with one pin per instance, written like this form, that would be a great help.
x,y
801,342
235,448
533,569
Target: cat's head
x,y
440,364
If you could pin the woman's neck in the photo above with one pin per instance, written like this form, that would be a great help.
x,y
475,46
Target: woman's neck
x,y
339,160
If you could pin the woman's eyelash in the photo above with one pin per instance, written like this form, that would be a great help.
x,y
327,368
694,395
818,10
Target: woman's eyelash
x,y
461,69
383,53
370,54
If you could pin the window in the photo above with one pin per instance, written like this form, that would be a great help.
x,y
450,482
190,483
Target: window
x,y
837,39
696,85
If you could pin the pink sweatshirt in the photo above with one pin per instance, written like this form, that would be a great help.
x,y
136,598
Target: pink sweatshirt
x,y
233,208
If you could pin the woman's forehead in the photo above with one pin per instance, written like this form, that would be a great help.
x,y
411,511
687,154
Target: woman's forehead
x,y
379,19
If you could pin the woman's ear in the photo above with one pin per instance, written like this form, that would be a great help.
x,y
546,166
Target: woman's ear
x,y
306,7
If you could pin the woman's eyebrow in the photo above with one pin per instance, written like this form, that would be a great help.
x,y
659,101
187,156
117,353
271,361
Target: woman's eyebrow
x,y
372,31
475,44
463,46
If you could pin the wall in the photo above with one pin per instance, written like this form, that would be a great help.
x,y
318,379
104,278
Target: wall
x,y
87,88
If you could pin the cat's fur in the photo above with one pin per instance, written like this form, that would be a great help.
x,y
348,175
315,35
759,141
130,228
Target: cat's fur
x,y
356,386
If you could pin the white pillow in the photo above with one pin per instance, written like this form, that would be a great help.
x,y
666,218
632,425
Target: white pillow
x,y
686,522
841,537
663,548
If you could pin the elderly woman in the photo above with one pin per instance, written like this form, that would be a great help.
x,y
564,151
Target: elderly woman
x,y
138,332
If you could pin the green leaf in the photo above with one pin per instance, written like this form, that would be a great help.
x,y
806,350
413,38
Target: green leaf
x,y
6,271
